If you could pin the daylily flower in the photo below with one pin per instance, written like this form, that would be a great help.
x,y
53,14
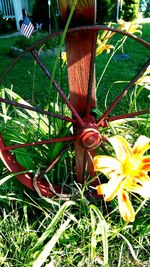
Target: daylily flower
x,y
101,47
129,26
102,42
127,173
145,79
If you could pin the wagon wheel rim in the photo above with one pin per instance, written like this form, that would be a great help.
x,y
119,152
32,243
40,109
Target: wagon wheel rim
x,y
88,135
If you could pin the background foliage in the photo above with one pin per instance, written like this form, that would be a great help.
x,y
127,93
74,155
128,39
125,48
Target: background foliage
x,y
130,9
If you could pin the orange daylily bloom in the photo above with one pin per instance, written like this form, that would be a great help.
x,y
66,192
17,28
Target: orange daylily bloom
x,y
127,173
104,38
102,42
101,47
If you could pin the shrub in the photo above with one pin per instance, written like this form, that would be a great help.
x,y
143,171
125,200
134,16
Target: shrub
x,y
23,43
7,25
130,10
103,10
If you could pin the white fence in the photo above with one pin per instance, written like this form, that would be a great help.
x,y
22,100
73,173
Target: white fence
x,y
7,8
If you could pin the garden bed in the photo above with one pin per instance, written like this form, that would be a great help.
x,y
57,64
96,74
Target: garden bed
x,y
14,52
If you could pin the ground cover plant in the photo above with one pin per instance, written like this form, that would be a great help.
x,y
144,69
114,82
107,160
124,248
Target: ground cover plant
x,y
37,231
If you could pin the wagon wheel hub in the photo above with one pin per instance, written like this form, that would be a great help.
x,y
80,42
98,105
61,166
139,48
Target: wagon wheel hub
x,y
90,138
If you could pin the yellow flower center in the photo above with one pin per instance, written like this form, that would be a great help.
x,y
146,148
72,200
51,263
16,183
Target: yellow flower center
x,y
131,166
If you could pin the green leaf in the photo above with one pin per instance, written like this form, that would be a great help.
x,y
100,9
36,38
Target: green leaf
x,y
58,147
24,158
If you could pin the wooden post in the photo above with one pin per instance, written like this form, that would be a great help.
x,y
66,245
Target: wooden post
x,y
80,54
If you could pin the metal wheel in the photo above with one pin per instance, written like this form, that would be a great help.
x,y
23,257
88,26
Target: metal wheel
x,y
87,136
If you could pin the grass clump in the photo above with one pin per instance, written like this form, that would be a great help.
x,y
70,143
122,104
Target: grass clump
x,y
65,235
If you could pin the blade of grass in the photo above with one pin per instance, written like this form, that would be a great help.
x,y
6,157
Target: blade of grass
x,y
49,246
53,223
103,226
6,178
93,236
110,58
120,255
129,246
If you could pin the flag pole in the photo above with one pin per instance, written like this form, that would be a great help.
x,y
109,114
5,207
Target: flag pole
x,y
49,15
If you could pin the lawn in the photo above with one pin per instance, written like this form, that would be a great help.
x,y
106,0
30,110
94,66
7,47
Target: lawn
x,y
26,77
79,232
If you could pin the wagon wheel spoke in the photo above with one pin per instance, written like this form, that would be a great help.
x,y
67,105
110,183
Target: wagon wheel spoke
x,y
51,165
49,113
43,142
127,115
58,88
123,93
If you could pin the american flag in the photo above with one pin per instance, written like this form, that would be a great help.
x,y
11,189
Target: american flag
x,y
27,27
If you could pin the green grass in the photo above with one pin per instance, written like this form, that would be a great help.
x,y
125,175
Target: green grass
x,y
123,71
26,77
83,232
27,230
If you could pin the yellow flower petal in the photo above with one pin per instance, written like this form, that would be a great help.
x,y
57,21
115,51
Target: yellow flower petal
x,y
102,46
106,164
125,207
141,145
145,163
141,186
127,173
108,47
129,26
100,50
101,189
143,80
133,167
143,191
121,147
111,189
105,33
144,179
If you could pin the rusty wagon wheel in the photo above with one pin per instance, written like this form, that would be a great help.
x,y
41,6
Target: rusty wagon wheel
x,y
87,127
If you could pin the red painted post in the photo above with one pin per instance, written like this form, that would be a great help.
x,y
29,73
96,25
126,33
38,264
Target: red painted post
x,y
81,74
79,49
